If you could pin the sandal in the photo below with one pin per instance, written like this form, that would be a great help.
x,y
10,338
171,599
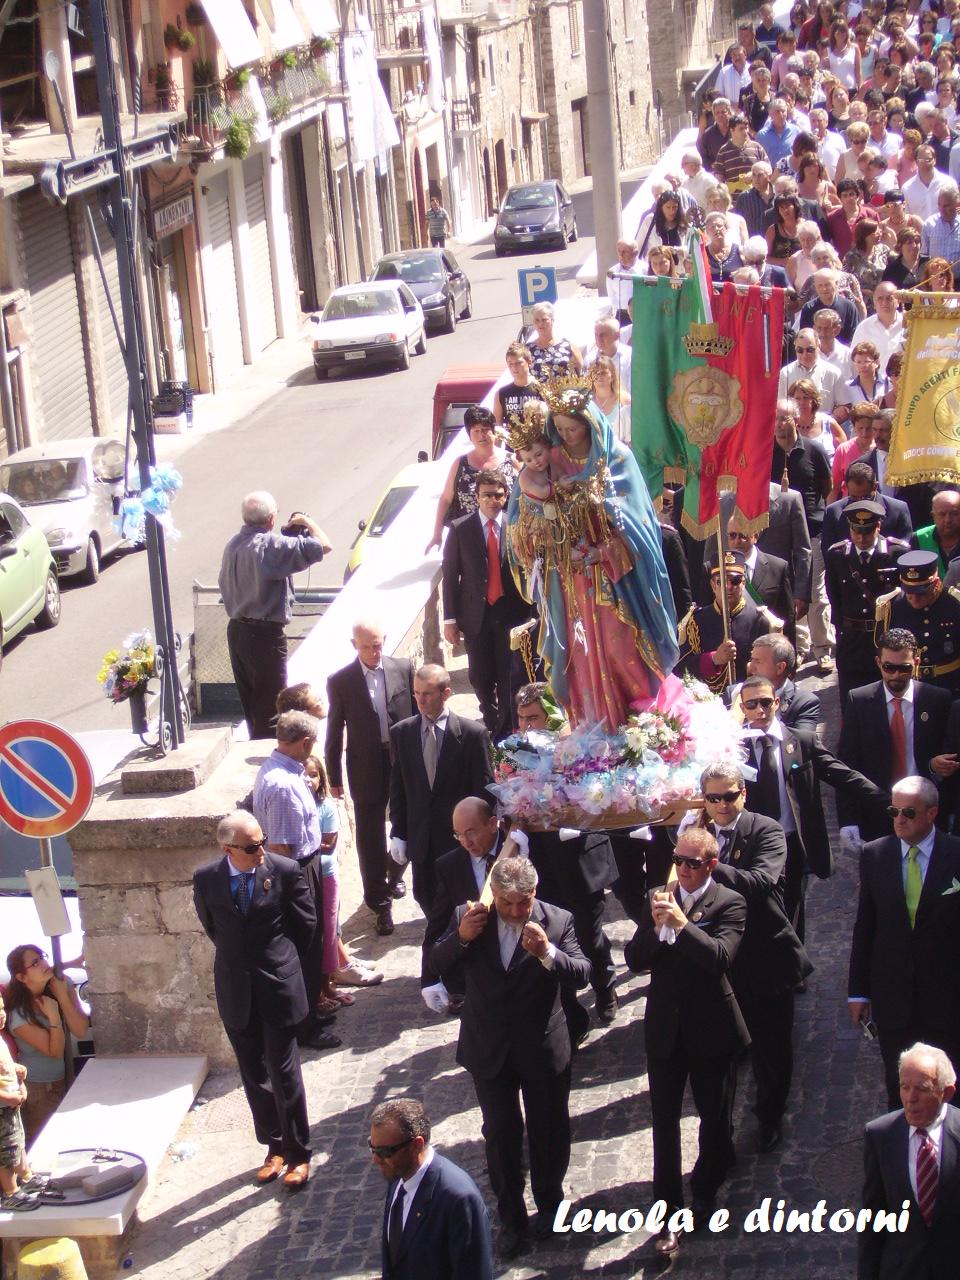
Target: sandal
x,y
20,1202
344,998
327,1004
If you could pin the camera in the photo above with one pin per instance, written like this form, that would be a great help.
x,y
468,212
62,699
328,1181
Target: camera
x,y
294,528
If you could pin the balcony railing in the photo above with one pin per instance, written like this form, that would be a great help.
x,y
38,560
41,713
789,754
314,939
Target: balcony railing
x,y
466,113
398,30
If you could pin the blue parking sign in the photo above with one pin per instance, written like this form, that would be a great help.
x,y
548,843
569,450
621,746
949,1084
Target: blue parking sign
x,y
537,284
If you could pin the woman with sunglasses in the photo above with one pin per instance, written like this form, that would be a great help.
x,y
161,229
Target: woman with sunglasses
x,y
41,1010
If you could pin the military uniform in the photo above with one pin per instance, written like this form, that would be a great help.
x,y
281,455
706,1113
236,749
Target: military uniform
x,y
855,580
701,631
936,624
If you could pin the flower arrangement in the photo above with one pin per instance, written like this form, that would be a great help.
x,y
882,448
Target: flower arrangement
x,y
595,779
125,670
165,483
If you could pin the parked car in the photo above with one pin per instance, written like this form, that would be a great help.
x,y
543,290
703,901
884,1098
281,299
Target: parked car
x,y
399,492
459,387
29,588
368,324
534,213
73,490
437,281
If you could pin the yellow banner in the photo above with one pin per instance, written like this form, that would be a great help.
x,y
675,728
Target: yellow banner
x,y
925,445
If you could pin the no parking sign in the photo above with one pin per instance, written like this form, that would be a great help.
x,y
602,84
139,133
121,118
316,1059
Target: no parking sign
x,y
46,780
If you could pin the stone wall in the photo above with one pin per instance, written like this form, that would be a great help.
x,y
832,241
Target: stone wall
x,y
685,35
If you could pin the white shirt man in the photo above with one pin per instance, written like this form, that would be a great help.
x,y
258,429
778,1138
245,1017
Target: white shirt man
x,y
826,377
921,191
697,183
621,275
887,337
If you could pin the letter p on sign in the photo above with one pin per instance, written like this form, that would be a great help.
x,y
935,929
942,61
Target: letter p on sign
x,y
537,284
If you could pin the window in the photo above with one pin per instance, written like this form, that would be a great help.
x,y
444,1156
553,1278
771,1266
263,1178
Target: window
x,y
573,20
492,66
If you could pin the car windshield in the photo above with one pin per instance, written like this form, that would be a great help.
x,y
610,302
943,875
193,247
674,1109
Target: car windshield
x,y
414,270
353,306
388,511
44,480
538,197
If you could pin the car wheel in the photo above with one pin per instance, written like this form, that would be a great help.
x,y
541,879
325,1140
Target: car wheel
x,y
498,251
450,319
421,348
467,311
405,356
91,569
574,234
49,615
321,373
564,239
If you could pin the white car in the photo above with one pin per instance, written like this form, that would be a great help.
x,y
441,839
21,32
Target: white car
x,y
72,490
368,324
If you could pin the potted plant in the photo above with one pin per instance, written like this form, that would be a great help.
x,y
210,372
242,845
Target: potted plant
x,y
186,40
288,60
163,85
237,138
204,73
195,15
279,108
323,45
125,674
171,35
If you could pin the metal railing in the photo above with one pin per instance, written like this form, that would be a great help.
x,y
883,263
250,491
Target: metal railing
x,y
466,113
398,28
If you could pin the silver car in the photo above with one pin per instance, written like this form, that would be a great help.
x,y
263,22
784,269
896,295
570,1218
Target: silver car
x,y
72,490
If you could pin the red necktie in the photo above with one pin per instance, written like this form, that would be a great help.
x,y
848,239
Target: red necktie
x,y
927,1176
898,741
494,580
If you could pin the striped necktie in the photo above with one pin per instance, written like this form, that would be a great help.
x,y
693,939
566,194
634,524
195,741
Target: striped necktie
x,y
928,1176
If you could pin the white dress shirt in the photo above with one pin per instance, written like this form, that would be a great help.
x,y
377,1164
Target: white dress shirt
x,y
440,724
921,199
935,1134
906,706
377,688
509,935
688,901
786,812
411,1185
925,850
885,340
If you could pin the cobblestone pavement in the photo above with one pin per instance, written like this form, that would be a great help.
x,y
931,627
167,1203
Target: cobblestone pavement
x,y
204,1216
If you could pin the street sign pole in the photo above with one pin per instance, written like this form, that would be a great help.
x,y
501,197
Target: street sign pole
x,y
56,955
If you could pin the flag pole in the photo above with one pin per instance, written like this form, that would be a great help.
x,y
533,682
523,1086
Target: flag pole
x,y
724,607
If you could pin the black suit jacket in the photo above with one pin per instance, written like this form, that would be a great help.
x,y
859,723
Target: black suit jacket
x,y
896,522
423,816
447,1232
513,1017
919,1252
806,763
917,498
910,976
256,966
799,708
771,581
691,999
352,710
865,745
675,559
465,578
454,885
570,869
771,957
786,536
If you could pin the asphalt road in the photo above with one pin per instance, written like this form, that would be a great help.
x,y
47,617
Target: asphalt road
x,y
329,448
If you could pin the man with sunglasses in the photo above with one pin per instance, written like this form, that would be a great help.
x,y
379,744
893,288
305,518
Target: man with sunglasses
x,y
770,961
922,605
434,1221
774,656
894,728
704,652
905,956
688,937
257,911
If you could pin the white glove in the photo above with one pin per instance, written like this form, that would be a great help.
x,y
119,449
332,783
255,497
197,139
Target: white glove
x,y
521,840
398,850
641,833
436,998
850,838
568,833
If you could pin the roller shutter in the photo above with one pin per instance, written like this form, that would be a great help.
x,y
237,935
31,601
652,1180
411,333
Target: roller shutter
x,y
115,369
57,363
222,287
266,315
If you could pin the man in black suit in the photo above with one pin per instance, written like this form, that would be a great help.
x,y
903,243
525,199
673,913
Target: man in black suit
x,y
861,481
905,956
898,1169
367,697
768,577
481,601
770,961
693,1026
790,767
514,1039
438,759
434,1220
257,911
892,729
774,656
678,571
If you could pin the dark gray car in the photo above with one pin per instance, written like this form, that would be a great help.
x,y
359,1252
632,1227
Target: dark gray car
x,y
534,213
436,279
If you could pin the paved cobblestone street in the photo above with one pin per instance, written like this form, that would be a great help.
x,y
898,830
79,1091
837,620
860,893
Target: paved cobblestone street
x,y
204,1216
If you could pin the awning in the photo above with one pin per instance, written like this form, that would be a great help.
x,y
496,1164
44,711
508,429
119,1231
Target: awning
x,y
234,30
284,26
319,16
534,117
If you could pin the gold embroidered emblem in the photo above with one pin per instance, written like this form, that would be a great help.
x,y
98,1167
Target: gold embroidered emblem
x,y
705,402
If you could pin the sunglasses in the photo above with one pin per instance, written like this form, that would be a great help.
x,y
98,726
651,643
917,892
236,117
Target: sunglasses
x,y
896,668
733,579
384,1153
801,351
250,849
723,797
694,864
908,811
751,704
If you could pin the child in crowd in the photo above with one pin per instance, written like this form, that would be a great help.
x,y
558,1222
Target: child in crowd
x,y
13,1093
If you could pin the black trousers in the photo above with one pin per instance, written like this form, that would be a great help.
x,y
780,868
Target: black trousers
x,y
489,666
893,1041
424,885
712,1083
795,885
546,1101
370,815
311,962
269,1065
258,656
769,1019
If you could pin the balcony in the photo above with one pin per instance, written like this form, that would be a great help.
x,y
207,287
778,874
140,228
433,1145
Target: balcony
x,y
466,114
399,35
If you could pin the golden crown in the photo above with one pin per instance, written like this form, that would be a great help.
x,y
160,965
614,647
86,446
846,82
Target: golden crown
x,y
568,393
705,340
527,426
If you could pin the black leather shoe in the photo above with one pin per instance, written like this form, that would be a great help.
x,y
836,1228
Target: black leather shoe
x,y
385,923
510,1242
702,1209
608,1006
543,1227
667,1243
769,1138
399,890
320,1040
321,1020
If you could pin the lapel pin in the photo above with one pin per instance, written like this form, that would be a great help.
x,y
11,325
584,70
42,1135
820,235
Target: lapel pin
x,y
266,885
924,715
736,856
696,916
789,747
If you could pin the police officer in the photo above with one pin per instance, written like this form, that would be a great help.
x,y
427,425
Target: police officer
x,y
859,570
932,612
704,652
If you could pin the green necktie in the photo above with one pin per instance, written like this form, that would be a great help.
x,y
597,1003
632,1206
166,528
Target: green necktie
x,y
914,883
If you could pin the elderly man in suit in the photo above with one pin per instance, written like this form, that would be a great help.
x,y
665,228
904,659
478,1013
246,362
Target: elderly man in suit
x,y
770,961
514,1039
434,1220
905,955
775,657
481,601
257,911
892,729
367,698
439,759
786,536
688,937
913,1155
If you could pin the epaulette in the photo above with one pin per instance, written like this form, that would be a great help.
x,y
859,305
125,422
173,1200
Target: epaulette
x,y
881,611
683,629
954,591
776,624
